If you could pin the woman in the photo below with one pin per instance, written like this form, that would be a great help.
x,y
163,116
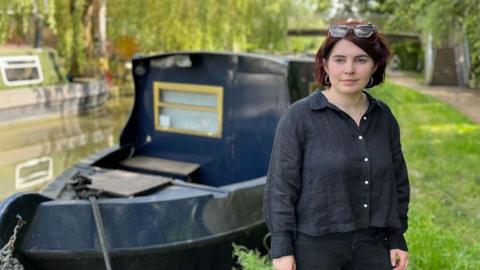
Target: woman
x,y
337,189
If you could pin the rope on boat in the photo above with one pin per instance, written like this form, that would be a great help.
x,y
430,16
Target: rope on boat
x,y
7,260
100,230
80,184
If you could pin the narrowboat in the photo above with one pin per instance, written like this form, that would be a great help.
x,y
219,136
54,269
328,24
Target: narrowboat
x,y
33,85
186,180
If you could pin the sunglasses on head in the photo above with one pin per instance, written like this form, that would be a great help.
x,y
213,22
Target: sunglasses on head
x,y
361,30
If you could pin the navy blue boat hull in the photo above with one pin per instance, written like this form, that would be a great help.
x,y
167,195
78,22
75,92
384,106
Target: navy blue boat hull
x,y
179,227
214,253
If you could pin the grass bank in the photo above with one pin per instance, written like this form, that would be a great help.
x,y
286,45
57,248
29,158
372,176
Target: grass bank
x,y
442,149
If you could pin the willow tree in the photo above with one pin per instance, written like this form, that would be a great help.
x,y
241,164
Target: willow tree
x,y
65,18
79,35
200,24
153,25
17,16
70,34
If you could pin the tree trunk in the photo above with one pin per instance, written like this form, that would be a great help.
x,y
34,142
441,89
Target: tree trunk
x,y
102,27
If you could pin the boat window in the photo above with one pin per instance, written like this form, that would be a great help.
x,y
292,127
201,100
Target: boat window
x,y
188,108
21,70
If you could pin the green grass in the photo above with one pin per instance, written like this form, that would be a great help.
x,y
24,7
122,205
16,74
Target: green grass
x,y
442,150
418,76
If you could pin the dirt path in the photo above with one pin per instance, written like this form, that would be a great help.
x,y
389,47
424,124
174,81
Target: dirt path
x,y
465,100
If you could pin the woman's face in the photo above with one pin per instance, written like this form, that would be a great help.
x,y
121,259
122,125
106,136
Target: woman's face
x,y
349,67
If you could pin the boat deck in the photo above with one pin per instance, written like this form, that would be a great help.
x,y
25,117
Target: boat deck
x,y
159,165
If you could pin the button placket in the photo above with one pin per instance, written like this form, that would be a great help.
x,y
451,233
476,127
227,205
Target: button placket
x,y
364,183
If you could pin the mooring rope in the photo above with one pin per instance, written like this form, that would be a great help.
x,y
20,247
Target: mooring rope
x,y
100,229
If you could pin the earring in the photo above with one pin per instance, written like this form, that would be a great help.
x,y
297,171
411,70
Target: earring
x,y
327,80
370,83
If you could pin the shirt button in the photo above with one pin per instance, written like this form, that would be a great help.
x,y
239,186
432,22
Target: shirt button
x,y
365,205
364,118
360,137
366,159
366,182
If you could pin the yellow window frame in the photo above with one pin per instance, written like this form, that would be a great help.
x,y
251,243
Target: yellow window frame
x,y
186,87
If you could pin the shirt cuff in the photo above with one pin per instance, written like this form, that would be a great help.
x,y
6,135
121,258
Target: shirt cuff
x,y
397,241
281,245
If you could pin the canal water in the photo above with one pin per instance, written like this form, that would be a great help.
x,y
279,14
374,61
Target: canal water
x,y
34,153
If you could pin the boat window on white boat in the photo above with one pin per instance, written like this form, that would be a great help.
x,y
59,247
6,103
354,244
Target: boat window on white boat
x,y
188,108
21,70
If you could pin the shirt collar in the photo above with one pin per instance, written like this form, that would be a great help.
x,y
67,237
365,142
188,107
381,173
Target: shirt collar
x,y
318,101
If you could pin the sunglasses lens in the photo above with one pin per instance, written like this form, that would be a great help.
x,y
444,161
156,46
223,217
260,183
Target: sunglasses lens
x,y
363,31
338,30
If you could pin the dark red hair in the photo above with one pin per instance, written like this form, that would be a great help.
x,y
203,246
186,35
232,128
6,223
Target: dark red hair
x,y
375,46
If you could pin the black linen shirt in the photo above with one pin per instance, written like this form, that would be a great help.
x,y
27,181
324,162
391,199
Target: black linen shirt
x,y
329,175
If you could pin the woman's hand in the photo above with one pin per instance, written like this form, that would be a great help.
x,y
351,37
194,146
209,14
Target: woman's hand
x,y
284,263
399,259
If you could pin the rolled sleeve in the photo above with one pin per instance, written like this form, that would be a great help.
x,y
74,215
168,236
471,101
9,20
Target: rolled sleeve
x,y
283,186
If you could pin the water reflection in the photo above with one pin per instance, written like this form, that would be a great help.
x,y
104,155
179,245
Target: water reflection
x,y
32,154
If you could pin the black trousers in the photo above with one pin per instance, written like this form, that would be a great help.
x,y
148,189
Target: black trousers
x,y
364,249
